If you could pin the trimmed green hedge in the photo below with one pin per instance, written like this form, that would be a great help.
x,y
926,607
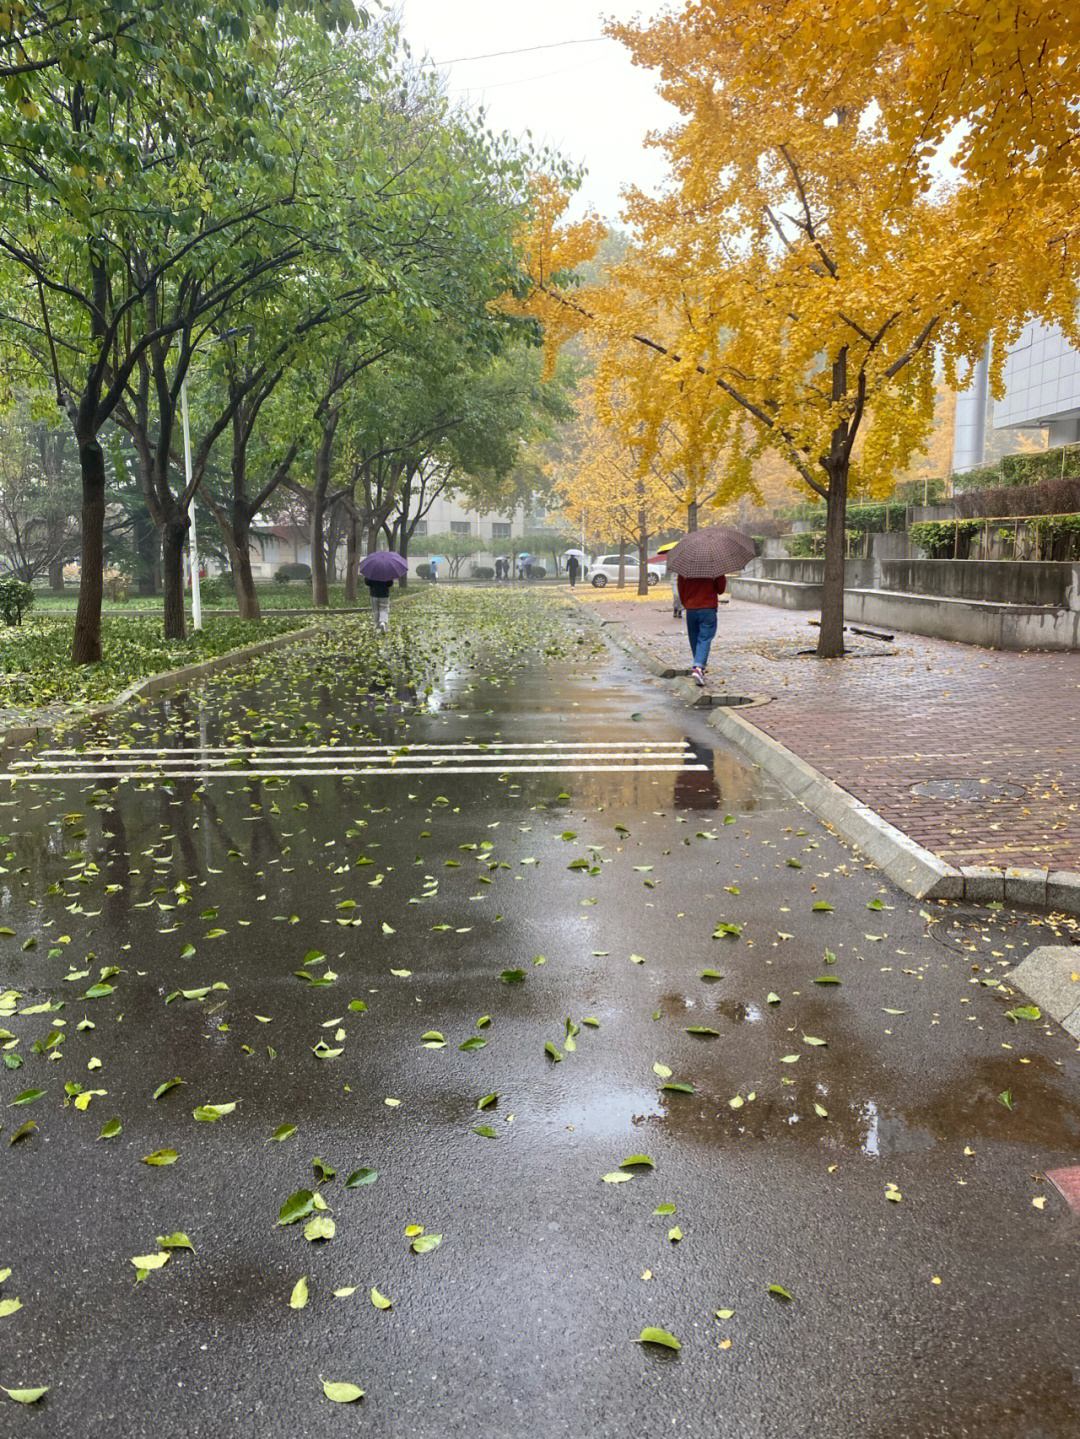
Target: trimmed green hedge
x,y
945,540
1061,462
16,597
1049,537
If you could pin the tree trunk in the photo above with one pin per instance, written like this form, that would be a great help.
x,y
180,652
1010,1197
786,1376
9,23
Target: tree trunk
x,y
831,636
643,555
243,580
352,555
620,583
56,576
147,549
86,645
333,539
691,516
172,562
403,551
320,592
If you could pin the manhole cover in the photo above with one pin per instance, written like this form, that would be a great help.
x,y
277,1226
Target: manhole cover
x,y
971,791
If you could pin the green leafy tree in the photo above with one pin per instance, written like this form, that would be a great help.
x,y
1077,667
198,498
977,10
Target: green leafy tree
x,y
122,223
38,493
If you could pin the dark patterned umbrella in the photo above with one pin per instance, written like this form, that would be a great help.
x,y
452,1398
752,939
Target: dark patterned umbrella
x,y
715,550
383,565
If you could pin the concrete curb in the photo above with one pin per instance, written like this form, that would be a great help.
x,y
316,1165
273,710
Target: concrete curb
x,y
158,684
913,869
637,651
1050,976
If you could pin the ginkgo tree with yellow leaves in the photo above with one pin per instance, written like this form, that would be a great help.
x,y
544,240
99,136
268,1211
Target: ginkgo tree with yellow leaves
x,y
809,271
814,275
996,81
609,487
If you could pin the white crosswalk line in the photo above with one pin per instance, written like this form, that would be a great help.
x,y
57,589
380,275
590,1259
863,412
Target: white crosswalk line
x,y
498,757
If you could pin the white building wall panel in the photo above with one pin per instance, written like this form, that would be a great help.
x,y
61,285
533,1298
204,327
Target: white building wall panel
x,y
1042,380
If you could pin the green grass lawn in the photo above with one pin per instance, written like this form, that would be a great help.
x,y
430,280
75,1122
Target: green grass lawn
x,y
35,657
221,596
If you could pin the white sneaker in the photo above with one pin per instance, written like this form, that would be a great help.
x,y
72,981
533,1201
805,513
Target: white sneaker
x,y
699,678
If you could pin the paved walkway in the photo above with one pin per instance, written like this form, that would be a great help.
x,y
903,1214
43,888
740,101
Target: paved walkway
x,y
928,711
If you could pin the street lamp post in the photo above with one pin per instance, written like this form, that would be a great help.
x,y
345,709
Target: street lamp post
x,y
193,538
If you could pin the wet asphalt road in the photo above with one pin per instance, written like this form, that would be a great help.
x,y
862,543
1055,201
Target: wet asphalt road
x,y
525,1319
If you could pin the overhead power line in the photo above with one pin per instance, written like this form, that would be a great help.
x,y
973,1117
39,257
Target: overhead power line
x,y
528,50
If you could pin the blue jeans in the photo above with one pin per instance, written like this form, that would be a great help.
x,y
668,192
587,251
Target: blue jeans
x,y
700,629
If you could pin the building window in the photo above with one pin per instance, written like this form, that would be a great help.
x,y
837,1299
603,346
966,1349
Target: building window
x,y
460,527
421,527
500,529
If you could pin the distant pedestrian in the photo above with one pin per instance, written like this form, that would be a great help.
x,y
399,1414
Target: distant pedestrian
x,y
676,603
522,568
698,599
572,569
434,572
379,591
379,570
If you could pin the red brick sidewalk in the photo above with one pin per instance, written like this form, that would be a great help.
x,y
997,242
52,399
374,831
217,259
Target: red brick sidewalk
x,y
879,725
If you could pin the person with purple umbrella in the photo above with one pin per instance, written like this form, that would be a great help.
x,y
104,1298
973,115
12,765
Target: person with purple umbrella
x,y
379,570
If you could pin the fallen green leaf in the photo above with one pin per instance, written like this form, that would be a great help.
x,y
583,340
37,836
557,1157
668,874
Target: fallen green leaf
x,y
361,1176
425,1243
659,1336
296,1206
342,1393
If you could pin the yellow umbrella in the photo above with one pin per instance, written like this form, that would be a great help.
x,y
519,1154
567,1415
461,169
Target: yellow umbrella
x,y
663,549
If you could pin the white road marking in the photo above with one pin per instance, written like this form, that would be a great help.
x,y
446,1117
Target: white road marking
x,y
498,757
644,746
226,772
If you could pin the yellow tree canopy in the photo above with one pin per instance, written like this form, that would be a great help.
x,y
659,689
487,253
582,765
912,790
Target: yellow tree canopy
x,y
551,250
812,290
605,487
995,81
811,271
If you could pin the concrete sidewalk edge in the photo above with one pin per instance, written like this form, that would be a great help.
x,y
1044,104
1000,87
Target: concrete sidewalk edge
x,y
1050,975
913,869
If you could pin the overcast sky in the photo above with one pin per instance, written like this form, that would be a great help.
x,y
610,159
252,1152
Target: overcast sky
x,y
586,100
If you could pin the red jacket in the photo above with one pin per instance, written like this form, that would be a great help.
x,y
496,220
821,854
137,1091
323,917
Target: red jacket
x,y
700,594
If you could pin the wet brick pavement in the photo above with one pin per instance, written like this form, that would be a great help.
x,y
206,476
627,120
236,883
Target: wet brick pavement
x,y
879,725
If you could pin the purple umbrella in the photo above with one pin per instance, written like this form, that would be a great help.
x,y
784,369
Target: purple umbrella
x,y
383,565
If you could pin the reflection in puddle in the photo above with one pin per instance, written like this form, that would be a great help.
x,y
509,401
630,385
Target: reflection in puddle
x,y
726,782
697,789
738,1012
610,1114
890,1134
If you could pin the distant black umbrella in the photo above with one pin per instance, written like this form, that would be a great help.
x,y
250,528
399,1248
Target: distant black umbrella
x,y
715,550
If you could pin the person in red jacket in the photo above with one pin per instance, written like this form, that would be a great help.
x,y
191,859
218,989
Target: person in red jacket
x,y
699,601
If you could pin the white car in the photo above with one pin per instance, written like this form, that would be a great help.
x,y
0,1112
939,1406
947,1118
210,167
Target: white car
x,y
606,567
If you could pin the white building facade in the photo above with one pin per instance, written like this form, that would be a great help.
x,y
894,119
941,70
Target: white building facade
x,y
1042,392
495,534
